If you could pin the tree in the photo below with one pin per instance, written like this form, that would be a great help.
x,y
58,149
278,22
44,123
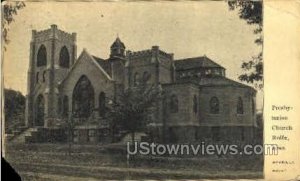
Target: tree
x,y
251,12
10,9
131,108
14,109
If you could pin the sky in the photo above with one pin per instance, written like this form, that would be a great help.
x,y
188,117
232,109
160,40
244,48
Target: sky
x,y
187,29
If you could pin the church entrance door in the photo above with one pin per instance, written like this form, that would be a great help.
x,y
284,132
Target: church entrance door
x,y
40,111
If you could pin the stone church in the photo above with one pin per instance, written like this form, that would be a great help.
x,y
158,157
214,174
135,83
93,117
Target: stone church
x,y
202,104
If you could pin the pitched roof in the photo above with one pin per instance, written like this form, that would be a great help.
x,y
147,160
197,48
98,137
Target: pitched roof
x,y
118,43
104,64
220,81
212,81
195,62
93,59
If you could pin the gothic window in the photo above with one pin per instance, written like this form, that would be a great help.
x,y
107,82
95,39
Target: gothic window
x,y
102,104
65,104
174,104
44,76
42,56
136,79
83,98
214,105
195,104
64,57
240,107
37,77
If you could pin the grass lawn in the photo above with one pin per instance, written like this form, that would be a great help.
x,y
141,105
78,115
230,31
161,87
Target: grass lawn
x,y
104,162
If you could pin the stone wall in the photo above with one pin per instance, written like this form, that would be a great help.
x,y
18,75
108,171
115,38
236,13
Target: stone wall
x,y
185,93
43,80
228,98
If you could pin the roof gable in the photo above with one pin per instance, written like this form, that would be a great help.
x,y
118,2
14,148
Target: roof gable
x,y
85,56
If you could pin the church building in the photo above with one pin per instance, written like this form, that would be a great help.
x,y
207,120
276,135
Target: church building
x,y
201,103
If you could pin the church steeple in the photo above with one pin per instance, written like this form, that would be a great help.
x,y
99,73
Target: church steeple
x,y
117,49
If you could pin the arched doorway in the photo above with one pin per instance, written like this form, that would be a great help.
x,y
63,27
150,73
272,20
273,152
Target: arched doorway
x,y
40,111
83,98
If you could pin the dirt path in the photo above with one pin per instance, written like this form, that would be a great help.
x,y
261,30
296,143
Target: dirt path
x,y
100,172
32,176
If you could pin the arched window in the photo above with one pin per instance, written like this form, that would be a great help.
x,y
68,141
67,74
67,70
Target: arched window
x,y
37,77
240,106
83,98
136,79
214,105
174,104
195,104
65,106
64,57
42,56
102,104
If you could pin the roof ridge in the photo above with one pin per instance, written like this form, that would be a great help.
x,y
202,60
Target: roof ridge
x,y
190,58
193,62
227,79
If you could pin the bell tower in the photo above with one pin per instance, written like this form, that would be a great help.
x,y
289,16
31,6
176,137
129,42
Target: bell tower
x,y
52,53
117,60
117,49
